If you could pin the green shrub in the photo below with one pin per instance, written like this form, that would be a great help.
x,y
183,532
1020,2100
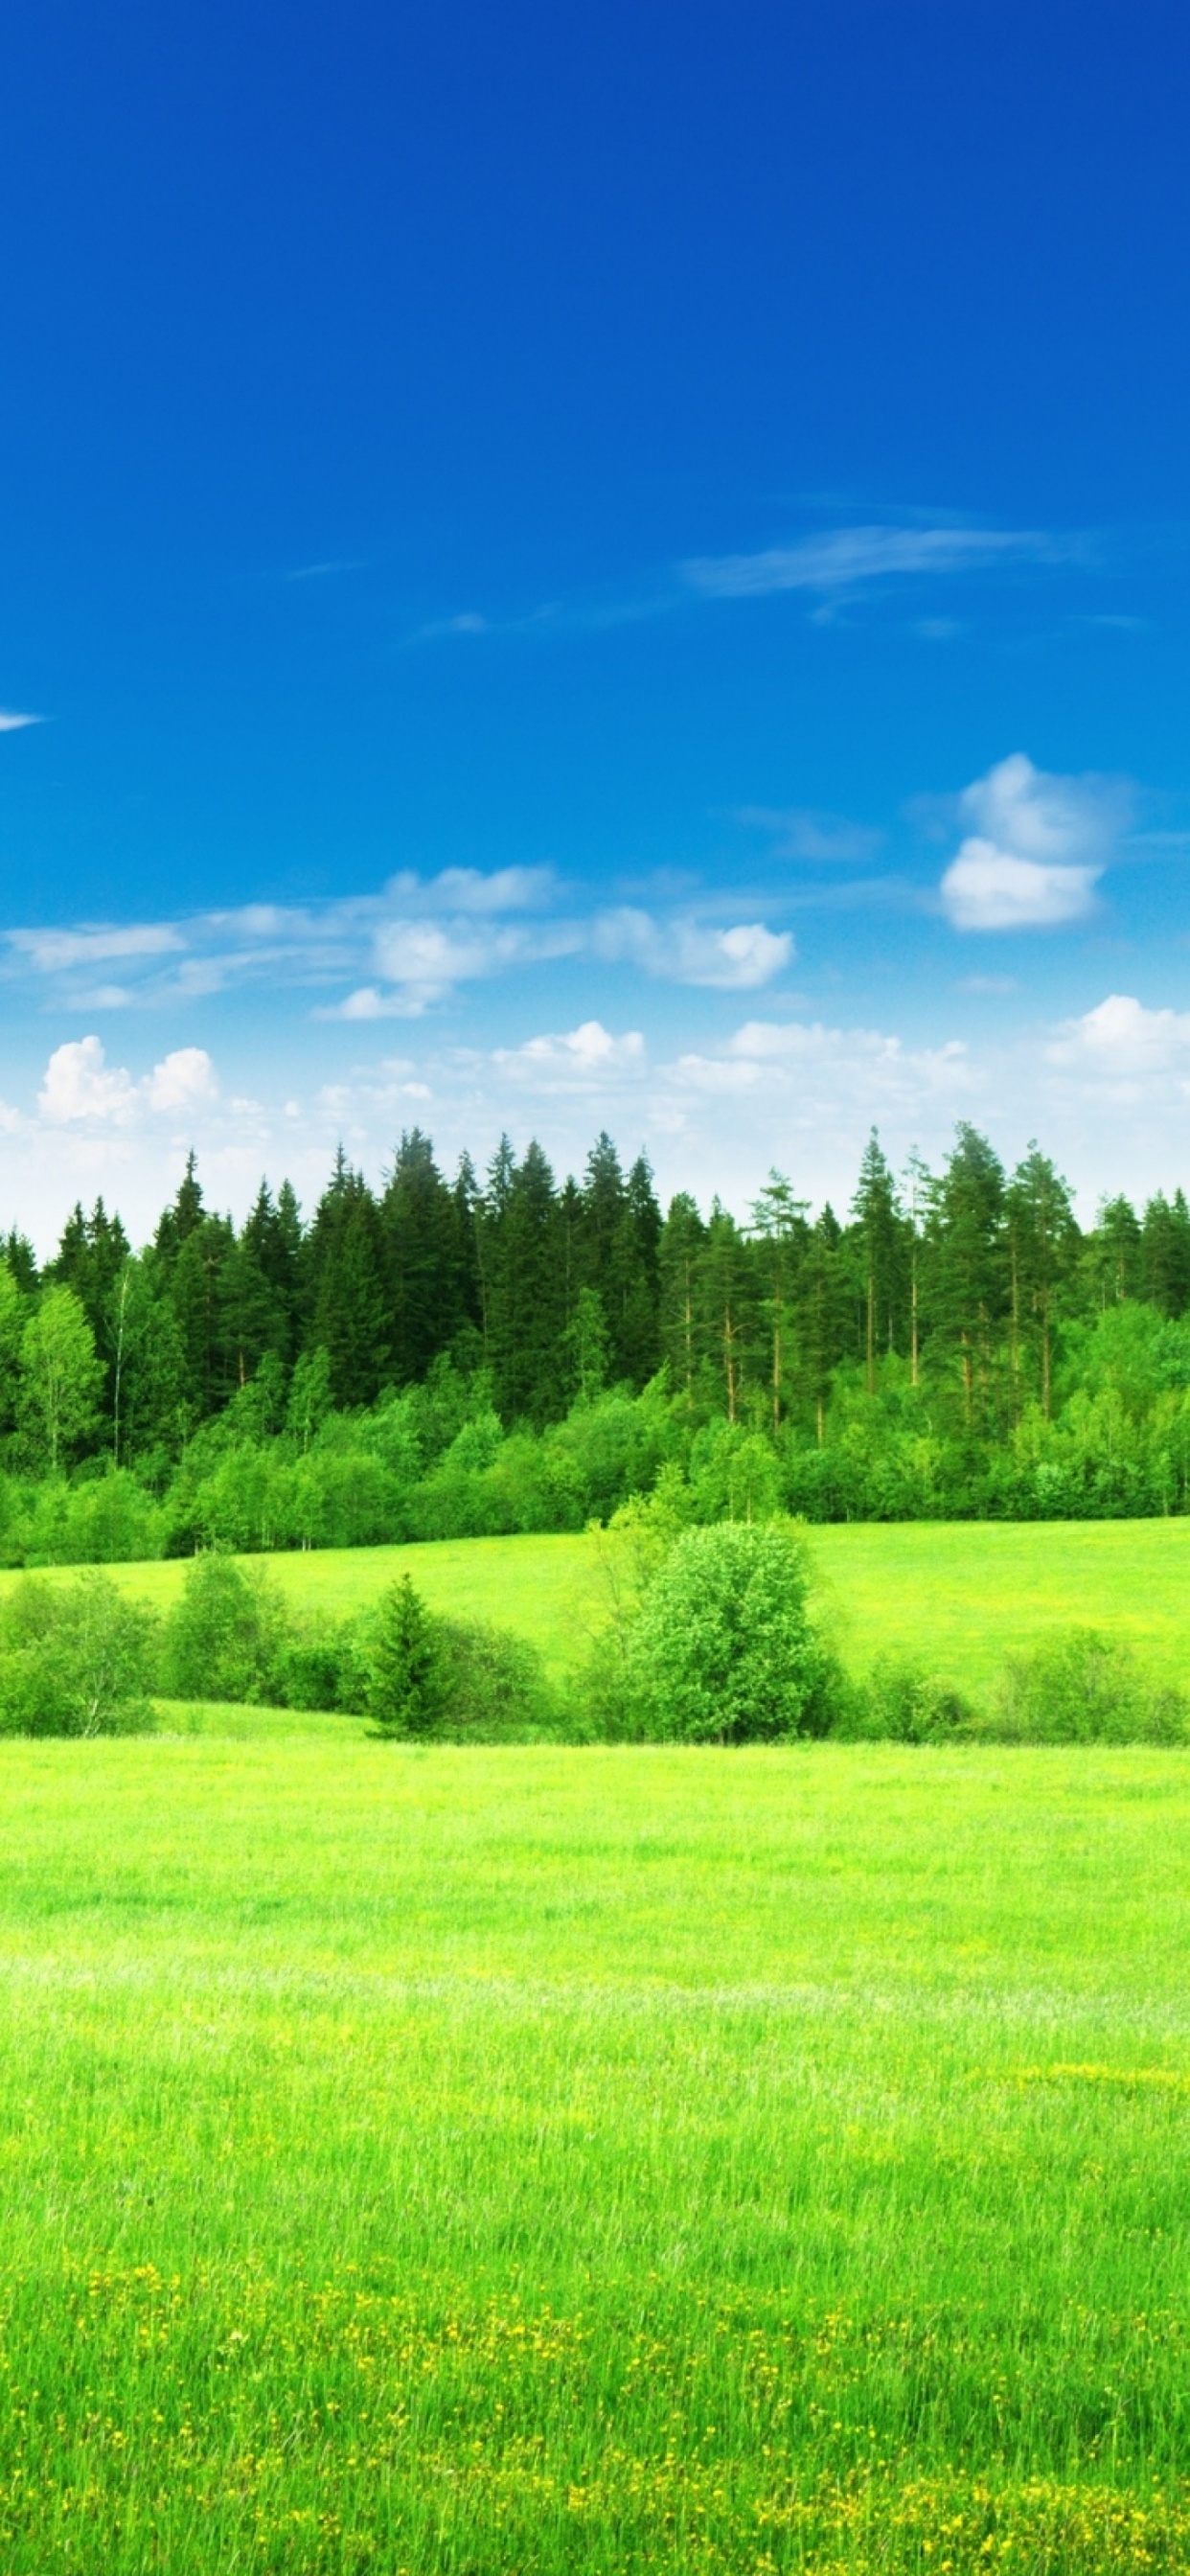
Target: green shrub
x,y
322,1669
722,1650
1081,1687
904,1704
225,1637
75,1659
494,1685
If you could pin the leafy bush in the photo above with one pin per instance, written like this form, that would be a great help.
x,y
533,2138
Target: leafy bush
x,y
225,1637
494,1685
75,1659
721,1650
1081,1687
906,1705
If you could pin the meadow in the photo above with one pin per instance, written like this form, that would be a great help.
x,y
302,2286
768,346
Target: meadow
x,y
956,1594
549,2158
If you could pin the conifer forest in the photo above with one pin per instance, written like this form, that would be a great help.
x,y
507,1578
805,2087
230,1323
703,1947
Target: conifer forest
x,y
449,1357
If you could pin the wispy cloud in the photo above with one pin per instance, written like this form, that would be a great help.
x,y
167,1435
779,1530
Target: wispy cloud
x,y
687,951
54,952
12,721
848,559
802,832
395,954
1039,847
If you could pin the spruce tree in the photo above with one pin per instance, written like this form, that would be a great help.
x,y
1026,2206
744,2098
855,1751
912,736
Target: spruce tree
x,y
679,1253
406,1684
780,1233
968,1268
877,1232
1043,1241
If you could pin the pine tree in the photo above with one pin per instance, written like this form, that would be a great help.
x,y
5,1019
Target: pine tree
x,y
346,1288
821,1313
726,1308
878,1234
1112,1253
780,1232
1165,1253
180,1220
526,1289
1043,1241
406,1686
683,1237
425,1279
968,1268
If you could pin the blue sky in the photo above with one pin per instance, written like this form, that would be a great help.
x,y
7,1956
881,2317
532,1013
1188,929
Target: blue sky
x,y
625,567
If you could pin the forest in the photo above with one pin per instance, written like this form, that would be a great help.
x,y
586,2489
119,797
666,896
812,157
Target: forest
x,y
453,1357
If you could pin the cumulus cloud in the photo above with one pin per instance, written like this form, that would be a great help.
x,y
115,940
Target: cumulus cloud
x,y
845,559
1121,1037
1037,850
79,1087
584,1055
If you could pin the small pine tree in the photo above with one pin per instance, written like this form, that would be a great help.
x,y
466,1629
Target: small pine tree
x,y
405,1677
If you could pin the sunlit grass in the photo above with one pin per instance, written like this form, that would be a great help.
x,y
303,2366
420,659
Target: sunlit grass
x,y
955,1594
548,2159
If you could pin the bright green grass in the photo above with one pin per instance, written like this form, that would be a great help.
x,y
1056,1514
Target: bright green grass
x,y
550,2160
955,1594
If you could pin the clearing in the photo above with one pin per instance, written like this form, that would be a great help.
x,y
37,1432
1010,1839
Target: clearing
x,y
547,2159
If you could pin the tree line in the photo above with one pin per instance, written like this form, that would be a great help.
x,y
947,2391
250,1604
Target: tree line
x,y
960,1307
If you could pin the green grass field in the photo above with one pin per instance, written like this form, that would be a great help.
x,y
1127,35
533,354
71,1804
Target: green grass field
x,y
955,1594
552,2159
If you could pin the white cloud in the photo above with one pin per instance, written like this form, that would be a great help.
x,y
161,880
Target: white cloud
x,y
12,721
79,1084
183,1080
583,1055
845,558
690,952
468,890
986,888
1121,1037
54,952
1038,849
80,1087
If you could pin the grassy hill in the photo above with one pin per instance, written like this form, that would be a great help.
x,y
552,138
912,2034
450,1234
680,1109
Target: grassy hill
x,y
956,1594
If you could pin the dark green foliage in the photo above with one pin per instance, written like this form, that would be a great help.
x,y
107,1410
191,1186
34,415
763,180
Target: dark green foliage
x,y
1084,1688
75,1659
493,1686
909,1705
224,1638
347,1297
451,1359
406,1688
525,1288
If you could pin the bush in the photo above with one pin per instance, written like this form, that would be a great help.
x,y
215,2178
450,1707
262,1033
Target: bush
x,y
903,1704
722,1650
225,1638
75,1659
494,1686
1080,1687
